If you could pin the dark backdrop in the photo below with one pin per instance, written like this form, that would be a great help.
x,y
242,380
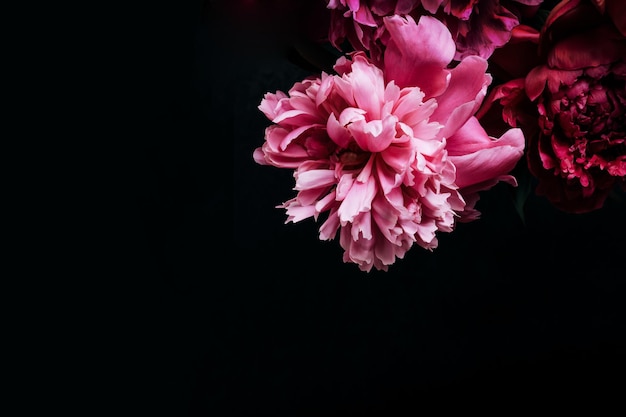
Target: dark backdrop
x,y
239,314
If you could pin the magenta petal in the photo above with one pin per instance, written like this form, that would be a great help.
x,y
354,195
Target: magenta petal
x,y
599,46
535,81
567,11
461,9
524,33
539,77
403,6
479,158
358,199
270,102
364,16
417,54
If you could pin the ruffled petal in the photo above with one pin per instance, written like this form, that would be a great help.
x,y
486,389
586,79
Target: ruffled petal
x,y
367,86
374,136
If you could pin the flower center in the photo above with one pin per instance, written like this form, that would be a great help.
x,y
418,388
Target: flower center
x,y
589,123
353,156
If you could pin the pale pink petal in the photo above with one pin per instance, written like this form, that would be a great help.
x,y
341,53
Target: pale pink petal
x,y
398,158
297,212
351,115
462,98
314,179
361,227
270,102
374,136
290,157
358,199
337,132
328,230
295,133
368,86
360,252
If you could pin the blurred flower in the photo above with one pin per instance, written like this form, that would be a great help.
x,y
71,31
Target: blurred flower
x,y
393,154
572,104
478,27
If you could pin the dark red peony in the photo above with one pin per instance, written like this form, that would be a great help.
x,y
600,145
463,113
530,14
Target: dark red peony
x,y
576,98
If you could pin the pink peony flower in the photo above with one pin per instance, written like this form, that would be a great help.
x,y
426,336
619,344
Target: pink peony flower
x,y
572,104
390,156
478,27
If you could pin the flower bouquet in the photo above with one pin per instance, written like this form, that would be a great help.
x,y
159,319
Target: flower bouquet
x,y
416,108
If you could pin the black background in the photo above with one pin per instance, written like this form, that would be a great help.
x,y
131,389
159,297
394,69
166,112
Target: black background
x,y
235,313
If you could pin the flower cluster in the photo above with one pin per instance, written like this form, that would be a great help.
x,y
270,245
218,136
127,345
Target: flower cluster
x,y
396,143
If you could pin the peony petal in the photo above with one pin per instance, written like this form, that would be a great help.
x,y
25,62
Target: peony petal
x,y
295,133
368,86
524,33
374,136
479,158
540,76
360,251
314,179
487,28
418,54
397,157
467,88
460,9
363,15
358,199
567,18
411,111
599,46
296,213
269,103
337,132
